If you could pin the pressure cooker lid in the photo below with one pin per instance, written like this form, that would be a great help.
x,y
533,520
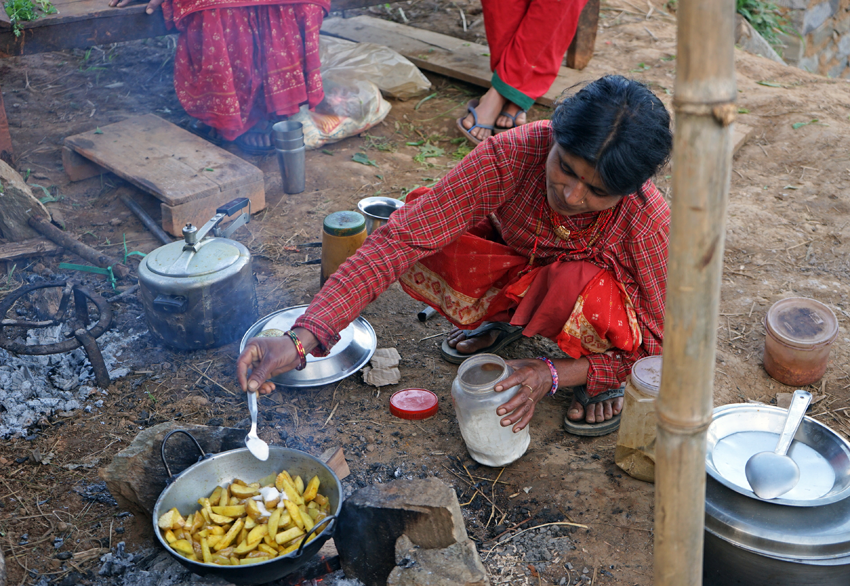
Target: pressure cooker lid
x,y
213,255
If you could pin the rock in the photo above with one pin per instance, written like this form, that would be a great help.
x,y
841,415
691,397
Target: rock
x,y
136,476
751,41
18,204
456,565
373,518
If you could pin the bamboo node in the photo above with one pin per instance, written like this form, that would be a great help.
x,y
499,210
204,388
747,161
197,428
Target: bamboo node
x,y
682,427
724,113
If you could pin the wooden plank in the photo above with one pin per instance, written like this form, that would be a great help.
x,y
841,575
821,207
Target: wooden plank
x,y
436,52
27,248
170,163
581,48
5,137
75,30
17,206
198,211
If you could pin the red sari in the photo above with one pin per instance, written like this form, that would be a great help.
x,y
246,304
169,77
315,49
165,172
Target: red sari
x,y
240,62
477,278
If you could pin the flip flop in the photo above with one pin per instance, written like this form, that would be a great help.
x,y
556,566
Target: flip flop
x,y
499,129
205,131
264,128
470,107
508,334
584,429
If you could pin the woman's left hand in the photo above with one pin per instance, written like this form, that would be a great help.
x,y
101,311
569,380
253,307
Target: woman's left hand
x,y
535,380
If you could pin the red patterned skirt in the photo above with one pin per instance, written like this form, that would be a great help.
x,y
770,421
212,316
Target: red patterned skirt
x,y
478,278
236,67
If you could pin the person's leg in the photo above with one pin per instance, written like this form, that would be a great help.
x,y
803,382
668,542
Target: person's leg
x,y
214,75
529,51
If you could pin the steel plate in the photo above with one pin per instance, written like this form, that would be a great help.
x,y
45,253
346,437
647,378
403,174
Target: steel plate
x,y
740,431
353,351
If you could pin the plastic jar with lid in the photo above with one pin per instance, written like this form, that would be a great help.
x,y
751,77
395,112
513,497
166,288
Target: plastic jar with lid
x,y
635,451
799,334
342,234
475,404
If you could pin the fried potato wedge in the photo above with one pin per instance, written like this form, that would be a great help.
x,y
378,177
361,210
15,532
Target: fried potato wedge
x,y
244,492
312,489
228,511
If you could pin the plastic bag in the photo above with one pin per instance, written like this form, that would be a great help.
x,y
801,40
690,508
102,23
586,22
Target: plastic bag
x,y
396,76
353,76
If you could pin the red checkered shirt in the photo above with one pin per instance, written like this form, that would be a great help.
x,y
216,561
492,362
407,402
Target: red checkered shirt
x,y
506,176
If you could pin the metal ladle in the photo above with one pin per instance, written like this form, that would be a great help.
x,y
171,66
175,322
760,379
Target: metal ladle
x,y
772,474
256,446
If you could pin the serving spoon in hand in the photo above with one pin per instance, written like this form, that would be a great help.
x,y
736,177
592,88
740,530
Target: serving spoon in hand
x,y
772,474
256,446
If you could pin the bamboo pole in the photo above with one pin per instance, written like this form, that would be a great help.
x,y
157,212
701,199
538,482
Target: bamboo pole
x,y
702,155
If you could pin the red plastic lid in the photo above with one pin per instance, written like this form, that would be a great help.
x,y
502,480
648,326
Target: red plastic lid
x,y
414,404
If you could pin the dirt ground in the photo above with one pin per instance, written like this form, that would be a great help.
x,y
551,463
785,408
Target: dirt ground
x,y
788,233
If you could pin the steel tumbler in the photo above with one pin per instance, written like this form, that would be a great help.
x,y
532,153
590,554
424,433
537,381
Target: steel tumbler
x,y
288,138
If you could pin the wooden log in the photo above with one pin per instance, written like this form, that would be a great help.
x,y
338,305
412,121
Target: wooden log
x,y
17,204
581,48
704,101
71,244
78,167
5,137
27,248
198,211
335,459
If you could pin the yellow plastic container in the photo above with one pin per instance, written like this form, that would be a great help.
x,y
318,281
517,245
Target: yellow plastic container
x,y
342,235
635,451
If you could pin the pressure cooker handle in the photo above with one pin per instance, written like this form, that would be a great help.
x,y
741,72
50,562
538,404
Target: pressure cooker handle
x,y
233,206
171,303
331,519
162,451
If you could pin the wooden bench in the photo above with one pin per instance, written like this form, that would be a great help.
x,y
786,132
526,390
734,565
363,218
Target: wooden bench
x,y
81,24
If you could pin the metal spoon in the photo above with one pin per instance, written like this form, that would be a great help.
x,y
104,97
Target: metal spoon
x,y
772,474
256,446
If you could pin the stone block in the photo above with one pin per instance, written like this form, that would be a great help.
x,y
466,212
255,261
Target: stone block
x,y
818,15
374,517
792,4
751,41
456,565
844,47
809,64
837,69
136,476
819,38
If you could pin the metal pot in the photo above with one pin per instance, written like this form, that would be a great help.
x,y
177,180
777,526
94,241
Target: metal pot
x,y
199,292
214,470
378,210
787,541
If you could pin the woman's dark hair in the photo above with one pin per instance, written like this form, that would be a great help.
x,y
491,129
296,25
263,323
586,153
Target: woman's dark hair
x,y
620,127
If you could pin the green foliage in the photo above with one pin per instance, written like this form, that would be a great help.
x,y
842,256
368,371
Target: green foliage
x,y
765,18
20,11
428,151
363,159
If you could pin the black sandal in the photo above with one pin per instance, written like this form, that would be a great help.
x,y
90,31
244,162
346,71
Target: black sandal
x,y
584,429
508,334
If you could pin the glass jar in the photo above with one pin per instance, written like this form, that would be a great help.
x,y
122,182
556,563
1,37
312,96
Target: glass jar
x,y
342,235
476,403
635,451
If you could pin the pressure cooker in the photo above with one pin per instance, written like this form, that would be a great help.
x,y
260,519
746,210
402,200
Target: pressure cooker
x,y
199,292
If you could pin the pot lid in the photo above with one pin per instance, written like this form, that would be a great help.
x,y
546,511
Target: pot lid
x,y
801,322
414,404
213,255
646,374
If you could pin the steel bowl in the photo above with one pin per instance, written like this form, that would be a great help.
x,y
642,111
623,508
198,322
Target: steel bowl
x,y
740,431
378,210
355,348
214,470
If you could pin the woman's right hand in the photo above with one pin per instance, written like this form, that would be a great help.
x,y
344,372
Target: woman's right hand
x,y
269,357
152,5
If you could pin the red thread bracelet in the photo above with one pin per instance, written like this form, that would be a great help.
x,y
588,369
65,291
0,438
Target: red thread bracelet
x,y
302,355
553,371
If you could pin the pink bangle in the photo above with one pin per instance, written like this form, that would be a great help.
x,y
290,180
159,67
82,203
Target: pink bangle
x,y
553,371
302,355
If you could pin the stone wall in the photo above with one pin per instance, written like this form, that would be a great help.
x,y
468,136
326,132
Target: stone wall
x,y
824,43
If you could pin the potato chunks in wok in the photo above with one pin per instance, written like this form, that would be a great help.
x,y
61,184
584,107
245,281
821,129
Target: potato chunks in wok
x,y
246,523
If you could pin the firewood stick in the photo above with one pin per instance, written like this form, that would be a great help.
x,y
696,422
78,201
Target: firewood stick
x,y
45,228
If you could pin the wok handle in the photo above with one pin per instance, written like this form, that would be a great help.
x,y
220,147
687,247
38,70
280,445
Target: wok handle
x,y
162,450
331,519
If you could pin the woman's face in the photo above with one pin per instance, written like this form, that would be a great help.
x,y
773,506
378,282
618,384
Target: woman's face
x,y
573,187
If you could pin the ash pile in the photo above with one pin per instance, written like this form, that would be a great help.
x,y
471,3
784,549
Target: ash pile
x,y
37,387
